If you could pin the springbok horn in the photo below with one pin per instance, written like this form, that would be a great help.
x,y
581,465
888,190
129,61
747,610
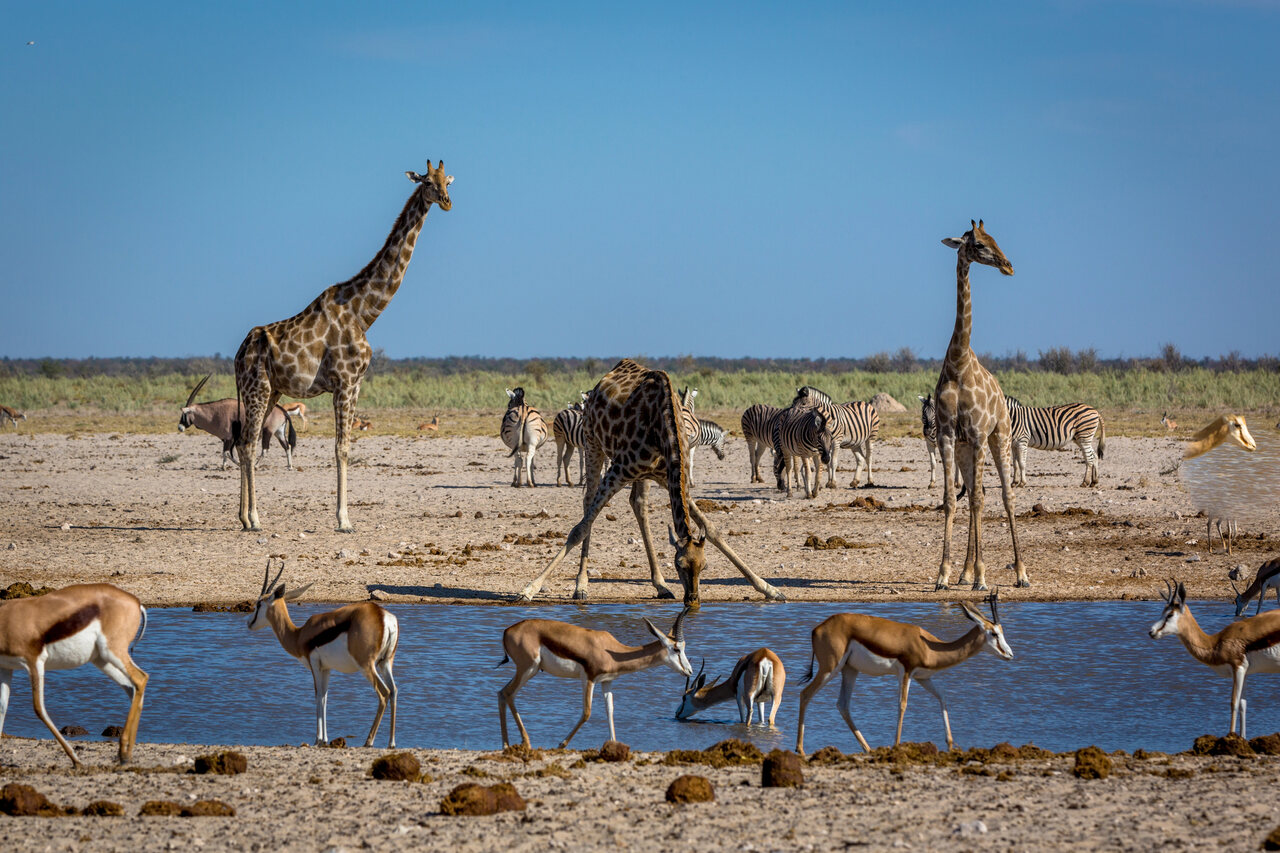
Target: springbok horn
x,y
195,391
276,579
688,680
266,574
994,600
677,630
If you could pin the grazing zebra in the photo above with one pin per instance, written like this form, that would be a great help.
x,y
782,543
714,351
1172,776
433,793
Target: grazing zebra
x,y
1053,428
929,429
757,430
857,425
524,431
567,429
710,434
802,434
807,395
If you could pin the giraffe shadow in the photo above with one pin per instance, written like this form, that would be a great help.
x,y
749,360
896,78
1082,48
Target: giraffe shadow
x,y
438,592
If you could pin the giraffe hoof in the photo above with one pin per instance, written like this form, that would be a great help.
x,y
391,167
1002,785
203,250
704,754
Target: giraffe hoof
x,y
1023,584
939,587
666,593
579,595
347,529
979,587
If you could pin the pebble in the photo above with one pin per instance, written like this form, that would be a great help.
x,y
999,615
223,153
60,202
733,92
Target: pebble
x,y
969,830
11,547
262,540
66,525
344,554
302,536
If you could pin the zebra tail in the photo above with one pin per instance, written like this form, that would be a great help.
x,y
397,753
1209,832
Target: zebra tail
x,y
524,416
1102,437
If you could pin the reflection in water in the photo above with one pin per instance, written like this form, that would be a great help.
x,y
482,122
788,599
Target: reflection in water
x,y
1083,673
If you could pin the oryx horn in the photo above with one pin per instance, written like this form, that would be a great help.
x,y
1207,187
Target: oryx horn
x,y
196,390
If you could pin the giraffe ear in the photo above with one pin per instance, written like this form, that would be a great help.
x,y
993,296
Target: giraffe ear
x,y
952,242
448,180
414,176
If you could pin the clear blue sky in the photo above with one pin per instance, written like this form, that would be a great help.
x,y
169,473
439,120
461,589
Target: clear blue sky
x,y
658,178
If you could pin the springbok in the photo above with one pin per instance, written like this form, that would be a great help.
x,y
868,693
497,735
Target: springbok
x,y
11,415
1226,428
356,638
433,425
297,410
1268,577
85,623
594,657
854,644
1250,645
1169,423
757,678
363,425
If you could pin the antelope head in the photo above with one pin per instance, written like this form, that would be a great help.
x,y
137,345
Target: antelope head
x,y
1238,431
1175,604
994,641
673,644
434,185
270,594
187,419
692,687
977,246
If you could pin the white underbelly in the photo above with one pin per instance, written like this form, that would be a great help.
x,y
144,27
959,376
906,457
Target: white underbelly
x,y
10,662
867,662
73,651
335,656
1266,660
555,665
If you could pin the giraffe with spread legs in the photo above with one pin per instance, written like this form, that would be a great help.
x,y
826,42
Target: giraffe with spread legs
x,y
634,418
971,413
323,348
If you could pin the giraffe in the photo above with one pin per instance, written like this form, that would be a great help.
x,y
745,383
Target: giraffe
x,y
634,418
971,412
323,348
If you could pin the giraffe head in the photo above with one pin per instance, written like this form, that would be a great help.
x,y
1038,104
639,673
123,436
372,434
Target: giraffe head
x,y
434,185
690,561
978,246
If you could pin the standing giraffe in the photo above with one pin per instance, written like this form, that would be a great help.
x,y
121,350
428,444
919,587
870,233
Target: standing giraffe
x,y
970,409
323,348
634,418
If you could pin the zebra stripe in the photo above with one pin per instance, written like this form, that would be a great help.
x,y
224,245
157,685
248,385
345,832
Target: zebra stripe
x,y
710,434
524,431
857,426
757,430
567,429
807,395
802,434
1054,428
929,429
688,420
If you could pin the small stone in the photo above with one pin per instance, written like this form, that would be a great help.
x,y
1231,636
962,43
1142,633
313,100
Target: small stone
x,y
691,789
11,547
479,514
103,808
226,763
614,751
971,829
396,767
364,552
262,540
1092,763
302,536
113,731
66,525
781,769
344,554
378,595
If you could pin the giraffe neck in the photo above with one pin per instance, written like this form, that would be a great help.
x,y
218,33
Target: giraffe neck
x,y
677,467
371,289
958,350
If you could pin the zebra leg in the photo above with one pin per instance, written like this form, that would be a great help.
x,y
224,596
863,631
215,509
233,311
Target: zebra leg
x,y
692,447
835,466
933,461
639,506
1090,461
867,454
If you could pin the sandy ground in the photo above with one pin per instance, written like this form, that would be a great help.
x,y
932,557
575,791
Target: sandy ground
x,y
437,520
294,798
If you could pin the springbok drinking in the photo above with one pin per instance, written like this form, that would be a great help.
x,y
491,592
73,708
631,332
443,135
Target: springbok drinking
x,y
757,678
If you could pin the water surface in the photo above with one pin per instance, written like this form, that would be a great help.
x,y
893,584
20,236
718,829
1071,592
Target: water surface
x,y
1083,673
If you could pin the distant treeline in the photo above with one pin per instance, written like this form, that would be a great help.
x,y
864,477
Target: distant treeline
x,y
1059,360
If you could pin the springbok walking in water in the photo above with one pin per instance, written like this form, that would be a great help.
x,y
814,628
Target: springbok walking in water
x,y
757,678
355,638
1268,577
1250,645
593,657
85,623
853,644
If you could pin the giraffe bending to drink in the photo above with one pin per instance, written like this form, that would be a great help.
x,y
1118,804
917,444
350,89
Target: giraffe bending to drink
x,y
634,418
323,348
971,413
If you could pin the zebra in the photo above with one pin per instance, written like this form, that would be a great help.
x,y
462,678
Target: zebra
x,y
929,429
807,395
1053,428
801,434
857,425
524,431
687,418
757,430
710,434
567,429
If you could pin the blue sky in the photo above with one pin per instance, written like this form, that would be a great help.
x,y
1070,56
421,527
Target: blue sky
x,y
715,179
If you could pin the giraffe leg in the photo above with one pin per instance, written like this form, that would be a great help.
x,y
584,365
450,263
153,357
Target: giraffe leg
x,y
999,442
597,496
639,506
254,412
947,450
964,462
977,495
768,590
344,412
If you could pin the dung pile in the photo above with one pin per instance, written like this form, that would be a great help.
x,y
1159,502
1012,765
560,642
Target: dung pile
x,y
1232,744
726,753
396,767
691,789
471,800
1091,763
22,589
781,769
226,763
